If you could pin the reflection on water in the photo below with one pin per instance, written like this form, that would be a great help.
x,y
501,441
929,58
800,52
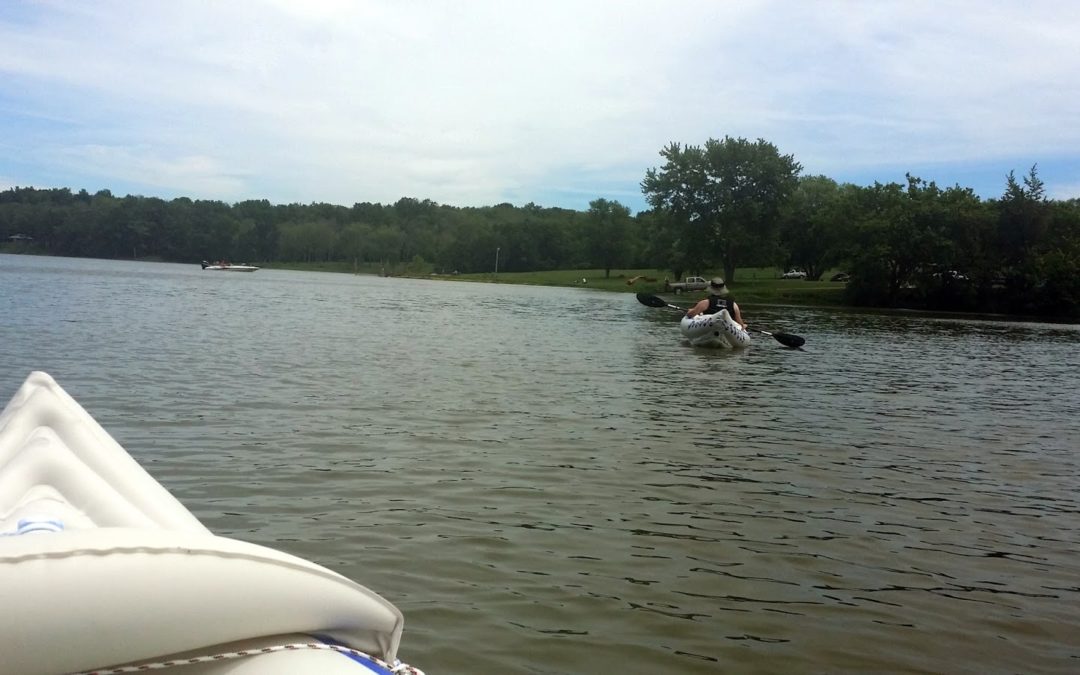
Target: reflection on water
x,y
549,481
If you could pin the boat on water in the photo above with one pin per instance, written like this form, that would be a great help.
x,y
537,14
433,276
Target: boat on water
x,y
225,266
714,330
102,570
718,330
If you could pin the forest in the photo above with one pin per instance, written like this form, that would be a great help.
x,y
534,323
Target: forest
x,y
722,205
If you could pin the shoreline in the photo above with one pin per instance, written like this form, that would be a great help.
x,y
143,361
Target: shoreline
x,y
763,288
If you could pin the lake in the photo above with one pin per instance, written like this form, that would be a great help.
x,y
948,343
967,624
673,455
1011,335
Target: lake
x,y
548,480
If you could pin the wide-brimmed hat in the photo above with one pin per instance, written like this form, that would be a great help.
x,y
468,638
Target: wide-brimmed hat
x,y
717,287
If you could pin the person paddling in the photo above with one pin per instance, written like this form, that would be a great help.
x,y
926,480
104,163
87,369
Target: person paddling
x,y
718,299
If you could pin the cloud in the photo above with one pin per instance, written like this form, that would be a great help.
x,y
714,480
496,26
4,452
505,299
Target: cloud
x,y
199,175
1063,190
487,101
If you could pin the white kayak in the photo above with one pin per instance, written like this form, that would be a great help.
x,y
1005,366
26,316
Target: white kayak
x,y
227,267
714,330
102,570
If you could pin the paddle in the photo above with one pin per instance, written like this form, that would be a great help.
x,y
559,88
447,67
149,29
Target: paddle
x,y
656,301
786,339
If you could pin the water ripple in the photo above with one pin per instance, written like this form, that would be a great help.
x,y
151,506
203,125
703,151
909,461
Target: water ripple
x,y
550,481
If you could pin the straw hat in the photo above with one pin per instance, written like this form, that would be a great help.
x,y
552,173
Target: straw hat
x,y
717,287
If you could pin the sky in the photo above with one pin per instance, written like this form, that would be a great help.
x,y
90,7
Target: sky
x,y
554,102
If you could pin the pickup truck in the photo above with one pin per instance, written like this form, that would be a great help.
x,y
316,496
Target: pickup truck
x,y
691,284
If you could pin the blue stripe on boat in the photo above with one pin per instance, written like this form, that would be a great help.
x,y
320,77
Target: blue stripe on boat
x,y
367,663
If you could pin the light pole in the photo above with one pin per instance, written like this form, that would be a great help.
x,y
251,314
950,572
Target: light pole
x,y
497,248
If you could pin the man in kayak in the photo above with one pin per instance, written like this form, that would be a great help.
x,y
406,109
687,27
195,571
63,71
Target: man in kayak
x,y
718,299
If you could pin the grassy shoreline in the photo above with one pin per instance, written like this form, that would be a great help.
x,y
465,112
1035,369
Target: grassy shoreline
x,y
761,285
753,286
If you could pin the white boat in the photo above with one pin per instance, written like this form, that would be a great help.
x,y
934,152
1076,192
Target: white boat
x,y
714,330
227,267
102,570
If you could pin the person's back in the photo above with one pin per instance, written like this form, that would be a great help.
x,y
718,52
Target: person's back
x,y
719,299
717,303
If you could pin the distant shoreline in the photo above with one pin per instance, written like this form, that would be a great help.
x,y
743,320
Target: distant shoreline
x,y
760,287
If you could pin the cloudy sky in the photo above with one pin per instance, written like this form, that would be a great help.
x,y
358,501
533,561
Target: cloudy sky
x,y
557,102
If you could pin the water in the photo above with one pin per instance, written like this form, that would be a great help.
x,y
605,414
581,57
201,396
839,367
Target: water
x,y
547,480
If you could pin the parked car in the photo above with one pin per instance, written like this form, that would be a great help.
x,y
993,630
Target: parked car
x,y
793,274
840,276
689,285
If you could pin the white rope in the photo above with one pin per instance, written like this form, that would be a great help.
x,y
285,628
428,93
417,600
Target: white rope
x,y
398,668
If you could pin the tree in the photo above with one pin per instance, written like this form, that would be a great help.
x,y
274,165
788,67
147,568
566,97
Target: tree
x,y
724,198
1023,215
811,226
352,242
899,237
676,191
970,263
309,241
1040,243
1058,262
608,230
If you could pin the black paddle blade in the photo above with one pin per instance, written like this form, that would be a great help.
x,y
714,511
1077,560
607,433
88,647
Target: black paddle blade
x,y
651,300
789,340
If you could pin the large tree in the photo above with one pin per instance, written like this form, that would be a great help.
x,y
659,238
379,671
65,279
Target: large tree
x,y
723,198
898,240
1024,215
1040,243
608,233
676,191
811,227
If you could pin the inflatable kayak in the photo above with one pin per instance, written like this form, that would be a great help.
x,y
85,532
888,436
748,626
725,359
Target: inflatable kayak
x,y
102,570
714,330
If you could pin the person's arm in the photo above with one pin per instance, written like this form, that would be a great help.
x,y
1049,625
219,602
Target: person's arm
x,y
738,315
698,308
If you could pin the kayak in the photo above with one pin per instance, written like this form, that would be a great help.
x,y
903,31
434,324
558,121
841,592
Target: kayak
x,y
102,570
714,330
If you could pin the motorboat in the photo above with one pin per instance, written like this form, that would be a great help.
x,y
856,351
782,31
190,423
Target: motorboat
x,y
714,330
102,570
223,266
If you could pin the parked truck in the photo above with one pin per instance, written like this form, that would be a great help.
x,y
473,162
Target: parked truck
x,y
691,284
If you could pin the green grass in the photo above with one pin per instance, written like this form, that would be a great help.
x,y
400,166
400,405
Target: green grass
x,y
752,285
764,289
337,266
760,285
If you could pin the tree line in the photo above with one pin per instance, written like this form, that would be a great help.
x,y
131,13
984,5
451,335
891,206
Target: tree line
x,y
421,233
729,202
725,204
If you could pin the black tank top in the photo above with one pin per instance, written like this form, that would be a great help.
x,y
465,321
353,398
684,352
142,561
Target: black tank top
x,y
716,303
